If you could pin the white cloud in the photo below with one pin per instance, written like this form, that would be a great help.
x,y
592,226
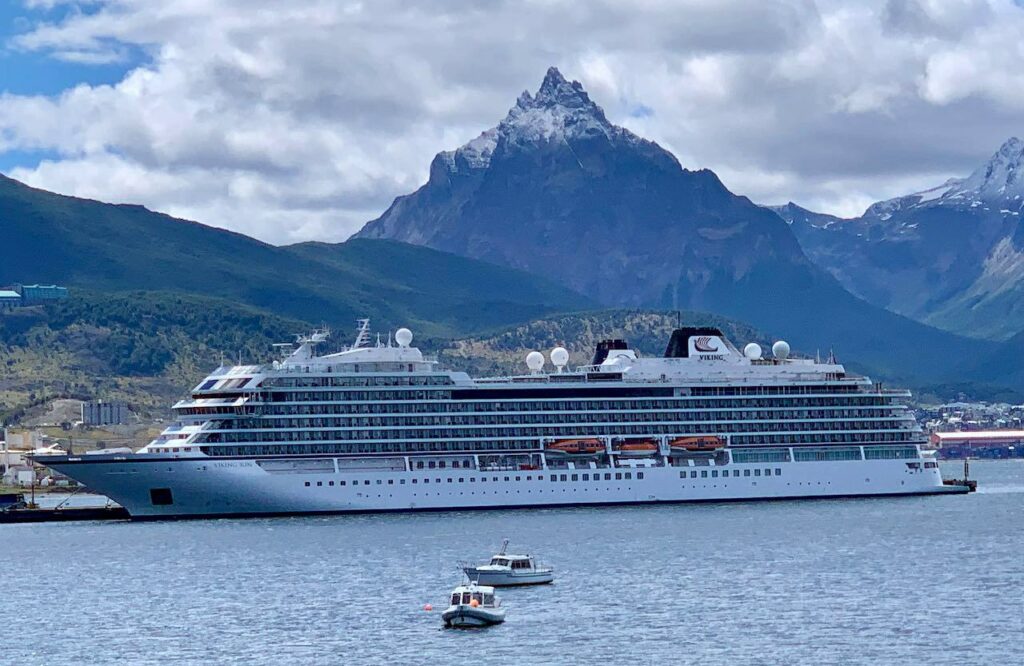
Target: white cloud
x,y
302,120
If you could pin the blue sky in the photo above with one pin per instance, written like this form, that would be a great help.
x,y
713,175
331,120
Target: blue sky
x,y
24,72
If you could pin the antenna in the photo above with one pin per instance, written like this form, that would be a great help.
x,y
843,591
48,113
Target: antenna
x,y
362,333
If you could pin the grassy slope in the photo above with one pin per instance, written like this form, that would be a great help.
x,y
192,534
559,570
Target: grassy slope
x,y
93,245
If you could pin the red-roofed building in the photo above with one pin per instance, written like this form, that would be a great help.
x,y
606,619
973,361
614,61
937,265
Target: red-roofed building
x,y
979,444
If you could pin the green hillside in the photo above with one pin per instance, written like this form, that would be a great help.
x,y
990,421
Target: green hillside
x,y
99,246
147,348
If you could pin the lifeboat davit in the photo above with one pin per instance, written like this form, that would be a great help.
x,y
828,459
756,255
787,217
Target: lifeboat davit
x,y
575,447
707,443
637,447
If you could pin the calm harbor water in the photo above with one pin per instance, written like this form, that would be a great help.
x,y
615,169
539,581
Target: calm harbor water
x,y
931,580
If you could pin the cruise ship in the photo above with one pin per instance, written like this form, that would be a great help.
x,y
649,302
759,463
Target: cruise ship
x,y
381,427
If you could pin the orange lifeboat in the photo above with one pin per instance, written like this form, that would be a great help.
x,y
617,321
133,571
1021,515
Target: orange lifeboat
x,y
637,447
707,443
576,447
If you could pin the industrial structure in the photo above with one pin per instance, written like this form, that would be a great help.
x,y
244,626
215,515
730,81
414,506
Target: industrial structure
x,y
979,444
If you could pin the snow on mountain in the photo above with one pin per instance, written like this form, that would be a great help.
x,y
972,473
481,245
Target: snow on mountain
x,y
1001,179
952,255
560,111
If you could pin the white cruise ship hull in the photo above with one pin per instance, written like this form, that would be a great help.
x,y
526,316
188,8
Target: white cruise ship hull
x,y
153,487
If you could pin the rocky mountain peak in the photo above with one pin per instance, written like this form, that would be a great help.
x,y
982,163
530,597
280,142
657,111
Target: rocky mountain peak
x,y
560,110
1001,178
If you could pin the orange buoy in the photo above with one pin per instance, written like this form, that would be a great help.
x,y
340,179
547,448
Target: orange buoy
x,y
428,607
474,603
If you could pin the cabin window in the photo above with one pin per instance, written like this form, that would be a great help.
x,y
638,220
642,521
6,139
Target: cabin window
x,y
746,472
455,599
488,600
607,476
714,473
693,474
618,476
639,475
562,477
629,475
554,478
575,477
479,597
757,472
465,597
704,474
586,477
778,472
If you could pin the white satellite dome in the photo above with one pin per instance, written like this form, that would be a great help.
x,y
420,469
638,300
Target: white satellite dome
x,y
403,337
781,350
752,351
559,356
535,361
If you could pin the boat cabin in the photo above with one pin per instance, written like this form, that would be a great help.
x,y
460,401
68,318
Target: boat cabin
x,y
465,595
514,562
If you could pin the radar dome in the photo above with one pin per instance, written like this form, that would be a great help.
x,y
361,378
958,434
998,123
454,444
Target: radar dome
x,y
752,351
535,361
559,356
781,350
403,337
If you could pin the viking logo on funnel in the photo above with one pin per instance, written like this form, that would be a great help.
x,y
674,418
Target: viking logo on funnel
x,y
704,344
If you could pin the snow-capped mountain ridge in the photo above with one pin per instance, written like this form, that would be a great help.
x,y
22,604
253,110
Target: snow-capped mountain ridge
x,y
952,255
999,181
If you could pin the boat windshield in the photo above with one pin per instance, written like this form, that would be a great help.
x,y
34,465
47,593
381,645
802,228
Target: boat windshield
x,y
500,561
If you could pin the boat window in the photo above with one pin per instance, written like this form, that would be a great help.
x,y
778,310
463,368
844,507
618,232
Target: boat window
x,y
586,477
455,599
629,475
479,597
639,475
465,597
488,600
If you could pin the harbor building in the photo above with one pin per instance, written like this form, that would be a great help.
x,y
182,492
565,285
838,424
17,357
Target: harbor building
x,y
9,300
979,444
34,294
101,413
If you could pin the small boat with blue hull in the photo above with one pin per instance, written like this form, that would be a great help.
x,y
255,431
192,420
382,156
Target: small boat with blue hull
x,y
505,570
472,606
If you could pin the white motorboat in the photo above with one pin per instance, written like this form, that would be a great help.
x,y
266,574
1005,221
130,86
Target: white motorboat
x,y
473,605
506,570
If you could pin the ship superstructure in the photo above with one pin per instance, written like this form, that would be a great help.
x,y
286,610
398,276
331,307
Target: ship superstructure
x,y
381,427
